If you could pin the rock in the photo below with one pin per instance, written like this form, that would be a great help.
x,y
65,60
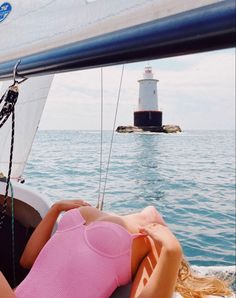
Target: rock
x,y
128,129
163,128
171,128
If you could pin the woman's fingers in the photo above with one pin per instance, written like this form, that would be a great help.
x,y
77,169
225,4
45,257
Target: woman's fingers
x,y
161,235
85,204
149,229
66,205
156,231
79,202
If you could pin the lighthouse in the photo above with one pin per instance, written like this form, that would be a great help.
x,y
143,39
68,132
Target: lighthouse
x,y
148,115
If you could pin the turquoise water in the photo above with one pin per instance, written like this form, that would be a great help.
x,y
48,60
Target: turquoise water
x,y
189,177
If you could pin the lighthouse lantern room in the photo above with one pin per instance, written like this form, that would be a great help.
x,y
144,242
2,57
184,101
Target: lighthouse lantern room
x,y
148,114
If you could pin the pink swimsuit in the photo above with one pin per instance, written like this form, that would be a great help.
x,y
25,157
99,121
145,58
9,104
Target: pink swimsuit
x,y
80,261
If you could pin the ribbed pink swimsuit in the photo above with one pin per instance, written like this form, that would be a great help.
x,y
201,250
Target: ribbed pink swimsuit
x,y
80,261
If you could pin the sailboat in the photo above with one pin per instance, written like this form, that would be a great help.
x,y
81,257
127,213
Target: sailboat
x,y
42,38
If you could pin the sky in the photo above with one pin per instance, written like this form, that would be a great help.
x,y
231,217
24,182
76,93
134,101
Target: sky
x,y
194,91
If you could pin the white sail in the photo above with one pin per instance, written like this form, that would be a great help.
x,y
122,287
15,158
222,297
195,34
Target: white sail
x,y
35,26
32,97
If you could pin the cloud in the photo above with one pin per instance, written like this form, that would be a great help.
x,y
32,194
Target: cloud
x,y
195,91
203,94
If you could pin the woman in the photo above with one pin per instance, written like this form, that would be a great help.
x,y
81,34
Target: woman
x,y
93,252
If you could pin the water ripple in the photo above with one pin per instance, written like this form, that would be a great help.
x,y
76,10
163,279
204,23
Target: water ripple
x,y
189,177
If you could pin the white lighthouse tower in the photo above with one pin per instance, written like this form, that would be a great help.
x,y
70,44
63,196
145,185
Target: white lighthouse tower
x,y
148,116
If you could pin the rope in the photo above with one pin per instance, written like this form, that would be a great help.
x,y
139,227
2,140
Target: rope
x,y
10,98
101,143
13,237
112,137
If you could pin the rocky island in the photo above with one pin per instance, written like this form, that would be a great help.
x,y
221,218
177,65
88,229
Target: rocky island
x,y
163,129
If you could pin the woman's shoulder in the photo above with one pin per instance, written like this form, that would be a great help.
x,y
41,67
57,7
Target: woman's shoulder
x,y
91,214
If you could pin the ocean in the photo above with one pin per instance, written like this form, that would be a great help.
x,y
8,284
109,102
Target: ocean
x,y
189,177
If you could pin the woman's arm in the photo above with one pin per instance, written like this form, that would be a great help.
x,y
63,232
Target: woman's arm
x,y
158,278
44,230
5,289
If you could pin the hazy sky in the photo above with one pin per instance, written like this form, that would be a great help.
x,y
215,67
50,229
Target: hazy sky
x,y
195,92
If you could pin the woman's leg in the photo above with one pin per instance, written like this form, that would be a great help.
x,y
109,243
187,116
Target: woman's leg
x,y
5,289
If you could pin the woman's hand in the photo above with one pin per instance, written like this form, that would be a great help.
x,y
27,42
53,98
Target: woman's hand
x,y
66,205
162,236
162,281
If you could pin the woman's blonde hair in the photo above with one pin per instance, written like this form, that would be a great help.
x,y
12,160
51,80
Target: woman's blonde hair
x,y
190,285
